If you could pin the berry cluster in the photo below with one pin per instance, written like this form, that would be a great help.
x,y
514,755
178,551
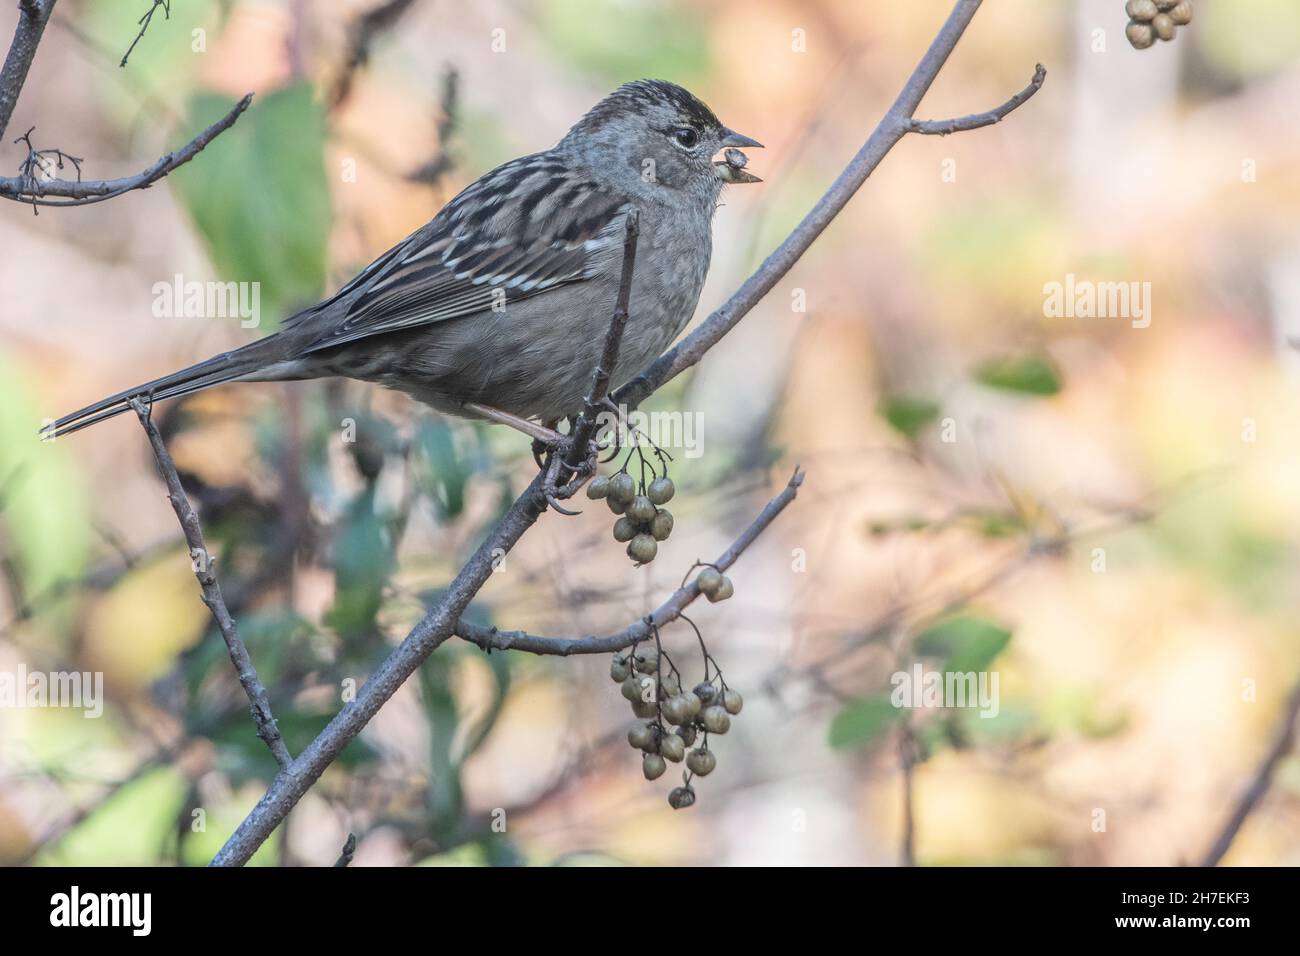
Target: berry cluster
x,y
673,720
1149,19
642,523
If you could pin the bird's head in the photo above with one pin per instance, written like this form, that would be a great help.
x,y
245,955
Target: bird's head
x,y
653,135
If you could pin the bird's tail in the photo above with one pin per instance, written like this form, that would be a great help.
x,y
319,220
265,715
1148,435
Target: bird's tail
x,y
242,363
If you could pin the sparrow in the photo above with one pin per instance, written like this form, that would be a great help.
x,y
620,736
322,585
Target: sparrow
x,y
497,308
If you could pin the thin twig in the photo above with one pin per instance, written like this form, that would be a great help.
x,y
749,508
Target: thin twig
x,y
29,189
349,848
361,37
144,25
585,428
907,763
493,639
32,17
965,123
429,173
258,701
1259,785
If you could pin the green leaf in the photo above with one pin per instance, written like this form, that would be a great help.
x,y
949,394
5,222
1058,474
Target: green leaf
x,y
259,194
1027,374
445,472
363,559
863,722
908,414
966,643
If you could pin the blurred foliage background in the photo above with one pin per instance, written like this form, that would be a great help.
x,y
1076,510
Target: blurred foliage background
x,y
1105,516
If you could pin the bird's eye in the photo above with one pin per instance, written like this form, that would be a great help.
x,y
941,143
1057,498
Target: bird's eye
x,y
686,137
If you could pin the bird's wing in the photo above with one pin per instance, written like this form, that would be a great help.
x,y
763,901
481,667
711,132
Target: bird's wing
x,y
509,235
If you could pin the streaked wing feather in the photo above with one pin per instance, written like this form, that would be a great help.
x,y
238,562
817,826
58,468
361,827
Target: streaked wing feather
x,y
484,244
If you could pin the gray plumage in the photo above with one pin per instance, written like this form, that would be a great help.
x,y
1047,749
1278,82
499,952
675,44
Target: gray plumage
x,y
504,297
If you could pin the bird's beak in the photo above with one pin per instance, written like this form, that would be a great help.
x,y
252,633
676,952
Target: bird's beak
x,y
731,168
732,138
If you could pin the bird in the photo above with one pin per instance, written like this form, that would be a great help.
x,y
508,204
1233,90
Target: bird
x,y
497,308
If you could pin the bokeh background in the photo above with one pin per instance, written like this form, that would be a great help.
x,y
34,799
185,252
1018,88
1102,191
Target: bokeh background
x,y
1105,516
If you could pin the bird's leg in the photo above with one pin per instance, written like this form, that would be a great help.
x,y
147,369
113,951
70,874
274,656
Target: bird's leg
x,y
540,447
549,437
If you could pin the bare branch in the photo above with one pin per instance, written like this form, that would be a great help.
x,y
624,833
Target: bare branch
x,y
349,848
977,120
144,25
430,172
362,35
1259,785
258,701
32,17
29,189
585,427
490,638
896,124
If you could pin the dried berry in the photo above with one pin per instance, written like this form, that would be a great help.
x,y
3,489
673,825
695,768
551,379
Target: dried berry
x,y
732,702
641,509
1164,26
641,736
687,733
624,529
653,766
615,506
619,668
708,581
677,710
1141,9
598,488
661,490
672,748
681,798
724,591
705,692
645,709
716,720
1140,35
1180,13
646,660
632,688
622,488
661,525
669,685
701,762
642,549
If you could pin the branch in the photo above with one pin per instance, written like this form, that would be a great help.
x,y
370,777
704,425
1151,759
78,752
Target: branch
x,y
144,25
258,702
1254,793
29,189
365,29
897,123
492,639
349,849
32,17
977,120
585,428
